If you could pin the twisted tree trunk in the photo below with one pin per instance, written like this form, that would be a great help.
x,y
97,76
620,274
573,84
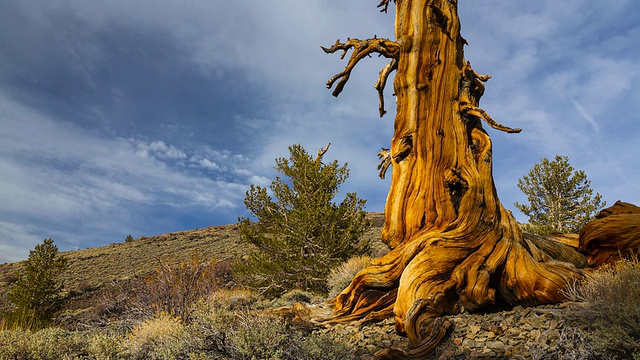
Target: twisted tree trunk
x,y
453,244
614,233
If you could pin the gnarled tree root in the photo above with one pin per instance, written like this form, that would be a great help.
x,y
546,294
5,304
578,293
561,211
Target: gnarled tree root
x,y
440,273
614,233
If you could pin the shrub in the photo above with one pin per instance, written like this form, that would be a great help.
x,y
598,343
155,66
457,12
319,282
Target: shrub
x,y
340,277
37,294
301,234
129,238
262,336
161,337
45,344
297,295
324,347
103,346
608,307
227,326
174,289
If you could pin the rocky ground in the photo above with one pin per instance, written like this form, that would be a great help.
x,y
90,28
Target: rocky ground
x,y
522,333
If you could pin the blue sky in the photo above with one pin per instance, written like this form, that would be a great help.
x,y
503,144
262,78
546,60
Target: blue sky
x,y
147,117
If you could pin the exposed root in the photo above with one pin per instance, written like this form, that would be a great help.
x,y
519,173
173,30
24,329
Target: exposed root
x,y
439,273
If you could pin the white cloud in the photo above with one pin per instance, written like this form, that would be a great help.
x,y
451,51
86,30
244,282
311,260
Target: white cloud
x,y
560,70
208,164
69,181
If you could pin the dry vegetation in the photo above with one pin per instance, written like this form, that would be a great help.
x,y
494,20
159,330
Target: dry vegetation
x,y
92,272
152,298
97,278
118,307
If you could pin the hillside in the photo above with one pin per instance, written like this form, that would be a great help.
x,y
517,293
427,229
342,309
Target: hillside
x,y
91,271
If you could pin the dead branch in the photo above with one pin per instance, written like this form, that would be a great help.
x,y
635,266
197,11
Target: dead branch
x,y
384,4
382,82
361,48
385,161
321,152
470,110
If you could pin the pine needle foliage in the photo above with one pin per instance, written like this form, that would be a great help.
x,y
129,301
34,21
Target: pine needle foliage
x,y
301,234
37,295
560,198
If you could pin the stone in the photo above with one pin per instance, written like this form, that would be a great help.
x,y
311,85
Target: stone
x,y
371,348
498,345
447,354
474,329
535,322
534,334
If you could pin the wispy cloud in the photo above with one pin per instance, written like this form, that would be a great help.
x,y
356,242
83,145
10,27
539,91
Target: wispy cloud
x,y
67,181
129,117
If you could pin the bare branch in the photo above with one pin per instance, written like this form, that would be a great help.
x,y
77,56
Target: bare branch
x,y
382,82
384,4
467,109
361,48
321,152
483,78
385,161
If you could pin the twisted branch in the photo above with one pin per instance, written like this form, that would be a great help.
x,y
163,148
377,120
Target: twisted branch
x,y
384,4
385,161
470,110
361,48
382,82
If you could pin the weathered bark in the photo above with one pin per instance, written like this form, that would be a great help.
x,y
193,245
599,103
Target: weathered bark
x,y
453,244
614,233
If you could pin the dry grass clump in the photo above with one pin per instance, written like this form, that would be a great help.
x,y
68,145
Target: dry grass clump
x,y
104,346
340,277
162,337
607,309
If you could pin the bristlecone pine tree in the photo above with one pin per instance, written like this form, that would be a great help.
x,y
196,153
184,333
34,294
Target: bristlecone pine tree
x,y
560,199
453,245
37,295
301,234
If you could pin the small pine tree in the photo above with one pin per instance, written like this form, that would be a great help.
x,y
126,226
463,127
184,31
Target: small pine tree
x,y
560,199
129,238
302,234
36,295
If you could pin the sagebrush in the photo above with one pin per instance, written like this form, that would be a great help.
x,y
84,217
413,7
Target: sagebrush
x,y
173,288
607,306
226,324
